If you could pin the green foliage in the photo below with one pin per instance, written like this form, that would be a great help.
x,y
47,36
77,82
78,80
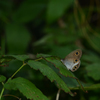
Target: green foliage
x,y
27,88
17,31
56,9
93,71
18,57
49,66
29,10
46,71
2,78
35,35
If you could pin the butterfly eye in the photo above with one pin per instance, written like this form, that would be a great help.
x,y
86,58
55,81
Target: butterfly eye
x,y
75,66
73,69
77,53
75,60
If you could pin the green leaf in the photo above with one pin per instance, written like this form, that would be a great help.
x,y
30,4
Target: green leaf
x,y
88,86
67,76
91,58
29,10
56,9
93,70
47,71
59,65
95,41
92,86
17,38
27,88
2,78
18,57
42,55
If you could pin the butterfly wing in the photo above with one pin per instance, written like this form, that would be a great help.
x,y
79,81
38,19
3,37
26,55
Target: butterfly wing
x,y
72,60
76,54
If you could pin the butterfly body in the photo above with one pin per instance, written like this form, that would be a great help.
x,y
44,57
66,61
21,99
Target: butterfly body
x,y
72,60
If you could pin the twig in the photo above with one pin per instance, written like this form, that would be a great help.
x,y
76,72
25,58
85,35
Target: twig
x,y
58,93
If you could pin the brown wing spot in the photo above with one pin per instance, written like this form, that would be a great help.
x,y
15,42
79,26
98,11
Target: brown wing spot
x,y
75,67
77,53
75,60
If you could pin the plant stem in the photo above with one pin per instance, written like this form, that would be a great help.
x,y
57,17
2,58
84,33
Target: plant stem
x,y
58,93
2,91
38,59
12,77
18,70
12,96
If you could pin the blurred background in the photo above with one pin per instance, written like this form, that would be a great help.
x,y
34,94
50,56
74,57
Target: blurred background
x,y
54,27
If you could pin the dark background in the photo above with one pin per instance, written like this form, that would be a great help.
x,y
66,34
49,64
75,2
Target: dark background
x,y
54,27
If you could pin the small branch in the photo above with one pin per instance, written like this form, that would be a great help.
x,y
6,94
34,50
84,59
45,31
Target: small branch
x,y
58,93
2,91
38,59
18,70
12,96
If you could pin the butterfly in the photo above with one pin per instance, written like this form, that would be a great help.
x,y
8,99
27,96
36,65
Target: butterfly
x,y
72,60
